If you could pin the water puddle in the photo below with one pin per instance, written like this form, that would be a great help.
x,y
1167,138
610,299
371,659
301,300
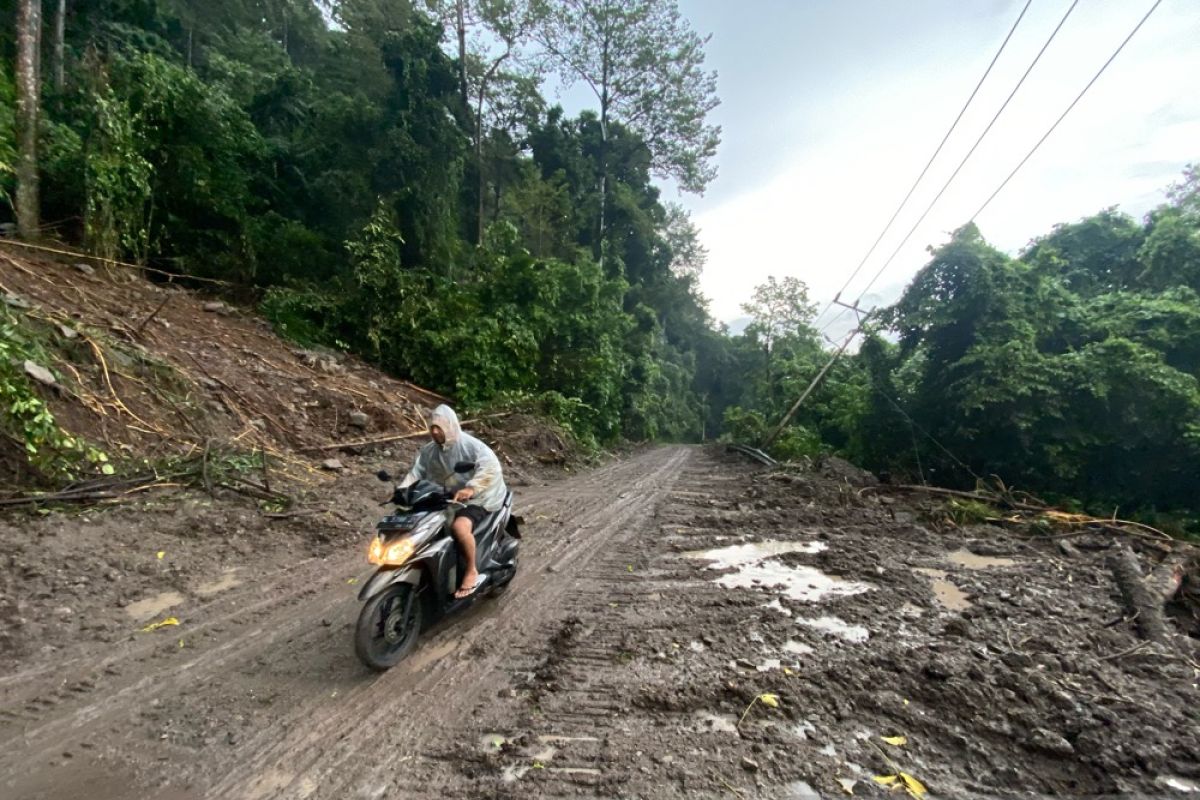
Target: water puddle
x,y
1178,784
796,648
144,609
965,558
756,568
742,554
775,605
228,580
805,584
707,722
838,627
799,790
946,593
803,730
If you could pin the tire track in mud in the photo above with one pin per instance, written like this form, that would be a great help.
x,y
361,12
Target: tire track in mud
x,y
450,686
285,647
593,697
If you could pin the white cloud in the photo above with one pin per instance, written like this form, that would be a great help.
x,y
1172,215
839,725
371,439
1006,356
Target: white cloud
x,y
845,145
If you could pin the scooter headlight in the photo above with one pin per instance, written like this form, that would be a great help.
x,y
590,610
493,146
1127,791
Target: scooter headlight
x,y
394,554
399,552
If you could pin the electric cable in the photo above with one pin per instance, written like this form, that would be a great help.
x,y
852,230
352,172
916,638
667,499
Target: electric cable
x,y
967,157
928,164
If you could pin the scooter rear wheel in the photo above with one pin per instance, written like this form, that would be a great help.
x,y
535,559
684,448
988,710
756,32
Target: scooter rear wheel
x,y
388,627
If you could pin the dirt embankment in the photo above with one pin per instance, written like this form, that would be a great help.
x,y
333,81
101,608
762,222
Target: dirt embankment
x,y
271,438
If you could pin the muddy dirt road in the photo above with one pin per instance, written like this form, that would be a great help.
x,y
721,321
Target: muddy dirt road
x,y
659,597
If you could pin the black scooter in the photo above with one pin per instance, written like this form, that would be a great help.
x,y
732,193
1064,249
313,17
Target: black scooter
x,y
419,568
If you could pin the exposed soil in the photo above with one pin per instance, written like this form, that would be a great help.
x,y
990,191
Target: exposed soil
x,y
151,370
621,662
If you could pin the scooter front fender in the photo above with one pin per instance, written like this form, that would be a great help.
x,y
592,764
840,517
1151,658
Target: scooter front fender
x,y
387,577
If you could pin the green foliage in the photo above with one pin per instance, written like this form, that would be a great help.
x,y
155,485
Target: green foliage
x,y
1073,371
8,140
26,418
116,181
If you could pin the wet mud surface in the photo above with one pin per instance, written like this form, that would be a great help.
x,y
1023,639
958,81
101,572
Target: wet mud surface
x,y
685,624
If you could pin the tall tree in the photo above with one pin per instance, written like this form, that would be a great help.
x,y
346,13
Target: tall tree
x,y
780,308
499,30
60,27
645,65
29,35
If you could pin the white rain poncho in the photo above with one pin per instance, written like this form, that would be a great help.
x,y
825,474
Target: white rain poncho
x,y
435,462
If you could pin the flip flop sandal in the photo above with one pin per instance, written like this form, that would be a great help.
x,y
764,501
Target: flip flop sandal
x,y
474,587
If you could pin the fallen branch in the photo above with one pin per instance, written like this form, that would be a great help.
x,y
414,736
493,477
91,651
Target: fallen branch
x,y
363,442
387,439
1109,524
110,261
142,325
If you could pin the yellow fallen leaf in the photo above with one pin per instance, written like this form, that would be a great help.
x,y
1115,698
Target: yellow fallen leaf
x,y
153,626
352,580
914,786
181,644
905,702
629,567
769,700
895,741
160,554
787,671
911,785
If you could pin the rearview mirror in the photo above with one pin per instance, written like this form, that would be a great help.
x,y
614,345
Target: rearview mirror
x,y
383,475
464,466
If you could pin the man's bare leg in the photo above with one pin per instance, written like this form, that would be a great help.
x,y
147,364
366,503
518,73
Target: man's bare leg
x,y
463,530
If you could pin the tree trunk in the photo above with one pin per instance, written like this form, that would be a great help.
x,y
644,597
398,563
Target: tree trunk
x,y
60,27
29,27
461,22
1140,598
479,160
603,156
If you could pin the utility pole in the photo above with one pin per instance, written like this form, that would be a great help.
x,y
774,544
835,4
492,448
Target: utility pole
x,y
862,318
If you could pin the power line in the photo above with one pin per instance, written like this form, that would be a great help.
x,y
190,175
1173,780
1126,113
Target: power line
x,y
1028,155
913,424
928,164
970,153
1079,97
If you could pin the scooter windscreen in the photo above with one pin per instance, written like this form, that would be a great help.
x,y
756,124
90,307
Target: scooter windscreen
x,y
421,496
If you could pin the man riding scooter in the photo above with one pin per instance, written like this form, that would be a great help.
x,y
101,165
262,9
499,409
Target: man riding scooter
x,y
482,494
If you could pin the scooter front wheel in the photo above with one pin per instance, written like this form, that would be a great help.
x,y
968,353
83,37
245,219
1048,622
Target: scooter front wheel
x,y
388,627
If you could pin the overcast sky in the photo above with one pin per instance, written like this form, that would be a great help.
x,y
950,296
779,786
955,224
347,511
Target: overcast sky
x,y
830,108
